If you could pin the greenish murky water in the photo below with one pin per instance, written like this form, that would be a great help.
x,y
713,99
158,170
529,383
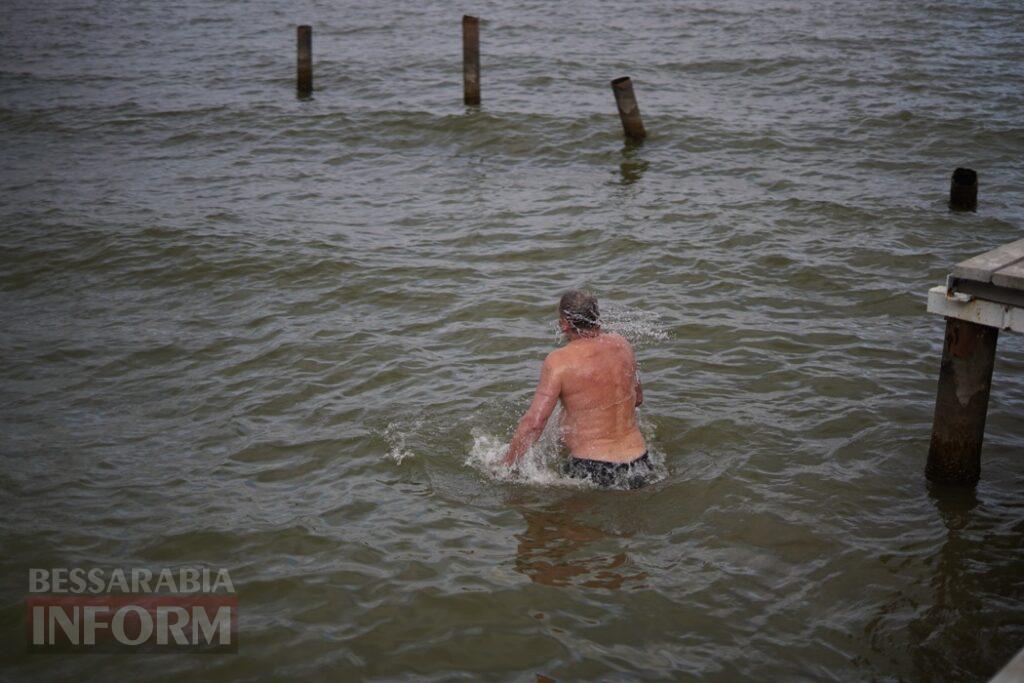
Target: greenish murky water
x,y
287,337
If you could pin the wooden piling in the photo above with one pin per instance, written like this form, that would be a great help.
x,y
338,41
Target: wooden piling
x,y
961,402
629,111
963,190
304,81
470,60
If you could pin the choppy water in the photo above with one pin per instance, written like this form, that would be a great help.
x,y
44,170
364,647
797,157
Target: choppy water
x,y
285,337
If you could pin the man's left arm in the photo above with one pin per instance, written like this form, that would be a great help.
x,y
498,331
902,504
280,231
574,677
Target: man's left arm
x,y
536,417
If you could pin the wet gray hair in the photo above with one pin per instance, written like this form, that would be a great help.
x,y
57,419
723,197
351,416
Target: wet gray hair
x,y
580,310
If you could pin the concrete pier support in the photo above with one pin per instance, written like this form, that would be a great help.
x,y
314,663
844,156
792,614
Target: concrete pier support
x,y
961,403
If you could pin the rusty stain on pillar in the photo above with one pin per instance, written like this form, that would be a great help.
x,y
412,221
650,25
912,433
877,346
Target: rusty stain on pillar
x,y
629,110
961,403
470,60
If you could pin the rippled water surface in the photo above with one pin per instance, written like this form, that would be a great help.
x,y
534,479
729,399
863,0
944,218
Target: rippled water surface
x,y
289,337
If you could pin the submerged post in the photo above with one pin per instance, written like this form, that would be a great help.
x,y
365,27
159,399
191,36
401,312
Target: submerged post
x,y
963,190
961,402
629,111
304,81
470,59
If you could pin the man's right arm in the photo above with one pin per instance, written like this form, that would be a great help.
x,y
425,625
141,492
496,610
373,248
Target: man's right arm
x,y
532,424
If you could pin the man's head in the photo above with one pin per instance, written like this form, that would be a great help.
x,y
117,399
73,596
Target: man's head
x,y
578,314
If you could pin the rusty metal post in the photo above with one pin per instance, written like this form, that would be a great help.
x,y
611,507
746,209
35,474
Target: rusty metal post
x,y
963,190
961,402
304,81
470,60
629,111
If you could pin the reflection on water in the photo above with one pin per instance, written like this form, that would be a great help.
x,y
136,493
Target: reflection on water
x,y
632,167
954,589
952,627
954,504
558,549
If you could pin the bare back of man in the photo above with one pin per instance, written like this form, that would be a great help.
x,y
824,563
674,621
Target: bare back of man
x,y
599,393
594,377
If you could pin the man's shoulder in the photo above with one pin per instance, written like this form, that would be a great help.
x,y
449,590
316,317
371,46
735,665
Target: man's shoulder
x,y
618,340
561,358
556,358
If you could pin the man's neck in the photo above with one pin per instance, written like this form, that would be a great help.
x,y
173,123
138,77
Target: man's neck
x,y
586,334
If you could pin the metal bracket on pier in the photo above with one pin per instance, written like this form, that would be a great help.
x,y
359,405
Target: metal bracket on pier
x,y
966,307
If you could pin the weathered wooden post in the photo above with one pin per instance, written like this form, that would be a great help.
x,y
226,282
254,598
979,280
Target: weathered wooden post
x,y
629,111
304,81
963,190
961,402
470,59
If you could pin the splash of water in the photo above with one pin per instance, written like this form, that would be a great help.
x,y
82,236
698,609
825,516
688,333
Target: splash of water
x,y
539,465
636,325
396,438
543,463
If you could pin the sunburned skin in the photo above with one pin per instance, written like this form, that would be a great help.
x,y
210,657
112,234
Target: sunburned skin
x,y
595,378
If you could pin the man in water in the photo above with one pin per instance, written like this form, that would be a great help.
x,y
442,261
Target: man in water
x,y
595,378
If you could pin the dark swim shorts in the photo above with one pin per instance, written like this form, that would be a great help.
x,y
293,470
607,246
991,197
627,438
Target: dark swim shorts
x,y
628,475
